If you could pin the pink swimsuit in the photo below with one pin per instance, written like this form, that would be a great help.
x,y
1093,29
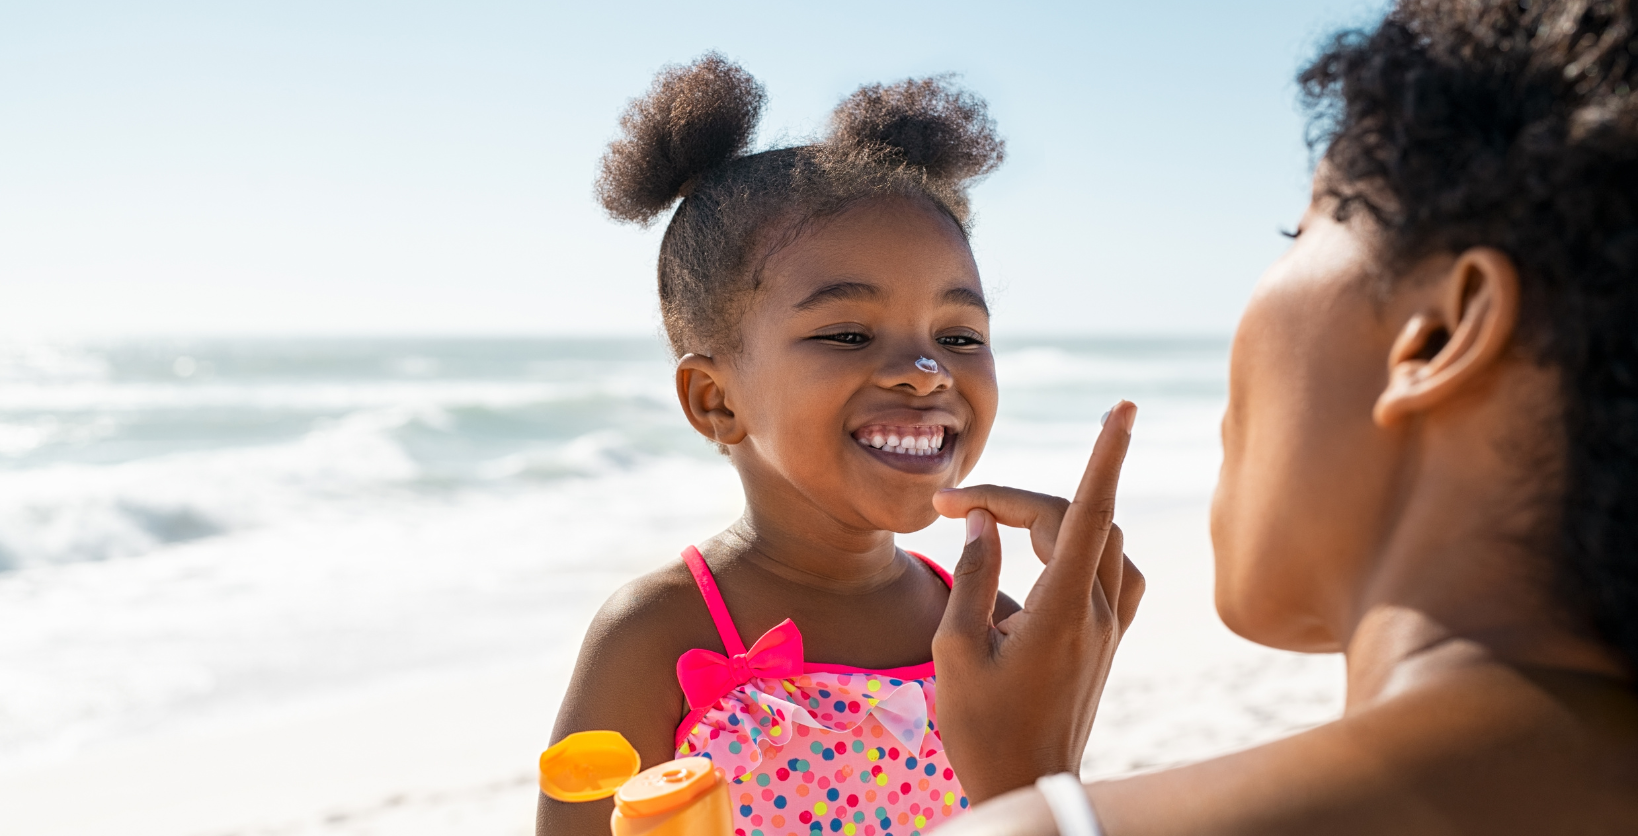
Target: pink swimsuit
x,y
814,749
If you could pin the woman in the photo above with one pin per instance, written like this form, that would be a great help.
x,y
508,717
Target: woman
x,y
1431,465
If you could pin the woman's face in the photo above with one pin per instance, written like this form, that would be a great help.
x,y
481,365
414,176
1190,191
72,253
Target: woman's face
x,y
1307,475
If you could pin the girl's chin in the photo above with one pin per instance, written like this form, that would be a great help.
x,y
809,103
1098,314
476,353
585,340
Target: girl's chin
x,y
905,521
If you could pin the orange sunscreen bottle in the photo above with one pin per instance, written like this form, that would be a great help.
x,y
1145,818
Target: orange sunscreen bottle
x,y
684,797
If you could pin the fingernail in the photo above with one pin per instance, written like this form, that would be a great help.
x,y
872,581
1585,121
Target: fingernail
x,y
1131,418
975,524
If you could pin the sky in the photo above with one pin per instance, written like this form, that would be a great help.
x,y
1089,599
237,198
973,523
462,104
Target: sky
x,y
425,168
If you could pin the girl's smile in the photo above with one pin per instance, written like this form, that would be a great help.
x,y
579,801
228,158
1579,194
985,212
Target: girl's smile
x,y
909,441
917,448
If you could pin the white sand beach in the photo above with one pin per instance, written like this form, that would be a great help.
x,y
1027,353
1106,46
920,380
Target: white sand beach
x,y
455,754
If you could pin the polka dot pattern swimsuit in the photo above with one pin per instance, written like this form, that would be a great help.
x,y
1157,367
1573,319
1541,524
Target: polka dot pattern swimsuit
x,y
833,749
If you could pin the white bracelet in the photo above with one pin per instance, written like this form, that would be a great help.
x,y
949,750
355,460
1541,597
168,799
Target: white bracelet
x,y
1070,807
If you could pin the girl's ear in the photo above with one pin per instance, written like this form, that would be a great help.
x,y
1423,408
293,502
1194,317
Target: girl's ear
x,y
702,391
1465,327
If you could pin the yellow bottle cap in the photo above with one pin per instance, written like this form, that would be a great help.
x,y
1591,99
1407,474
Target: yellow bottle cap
x,y
587,766
661,789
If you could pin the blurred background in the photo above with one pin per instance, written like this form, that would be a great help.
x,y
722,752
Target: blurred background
x,y
331,405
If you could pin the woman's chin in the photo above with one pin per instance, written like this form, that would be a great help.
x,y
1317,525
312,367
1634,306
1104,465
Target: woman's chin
x,y
1282,628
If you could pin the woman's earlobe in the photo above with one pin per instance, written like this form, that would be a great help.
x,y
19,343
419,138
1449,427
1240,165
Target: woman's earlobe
x,y
702,392
1466,327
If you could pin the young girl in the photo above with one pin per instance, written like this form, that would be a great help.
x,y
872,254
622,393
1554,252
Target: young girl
x,y
832,338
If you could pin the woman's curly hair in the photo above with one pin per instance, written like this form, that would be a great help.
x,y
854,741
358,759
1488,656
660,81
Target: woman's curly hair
x,y
1513,124
688,138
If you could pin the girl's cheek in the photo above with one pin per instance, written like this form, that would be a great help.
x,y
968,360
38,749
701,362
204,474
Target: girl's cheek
x,y
985,391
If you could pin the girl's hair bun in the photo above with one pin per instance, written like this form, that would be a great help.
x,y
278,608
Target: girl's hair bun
x,y
694,119
927,123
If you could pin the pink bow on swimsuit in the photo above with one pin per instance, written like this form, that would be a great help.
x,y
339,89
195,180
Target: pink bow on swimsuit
x,y
707,676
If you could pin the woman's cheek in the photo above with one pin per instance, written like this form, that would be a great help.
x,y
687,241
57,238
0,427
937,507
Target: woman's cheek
x,y
1246,503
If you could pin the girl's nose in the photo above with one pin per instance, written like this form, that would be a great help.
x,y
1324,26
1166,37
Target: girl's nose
x,y
920,374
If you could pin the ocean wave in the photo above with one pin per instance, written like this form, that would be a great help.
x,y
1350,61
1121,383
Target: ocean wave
x,y
45,361
359,463
105,396
21,437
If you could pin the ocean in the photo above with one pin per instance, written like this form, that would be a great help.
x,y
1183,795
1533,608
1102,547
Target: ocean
x,y
198,530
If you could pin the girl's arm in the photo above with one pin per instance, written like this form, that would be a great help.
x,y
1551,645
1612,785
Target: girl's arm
x,y
625,680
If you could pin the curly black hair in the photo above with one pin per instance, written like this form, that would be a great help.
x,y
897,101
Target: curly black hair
x,y
1513,124
922,139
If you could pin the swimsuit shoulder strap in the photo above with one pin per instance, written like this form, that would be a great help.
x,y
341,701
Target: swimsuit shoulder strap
x,y
713,600
937,569
707,584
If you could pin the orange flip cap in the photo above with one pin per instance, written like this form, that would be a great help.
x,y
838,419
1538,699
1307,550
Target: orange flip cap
x,y
587,766
669,786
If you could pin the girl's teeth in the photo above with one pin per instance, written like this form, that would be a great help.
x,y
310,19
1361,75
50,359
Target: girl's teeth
x,y
921,441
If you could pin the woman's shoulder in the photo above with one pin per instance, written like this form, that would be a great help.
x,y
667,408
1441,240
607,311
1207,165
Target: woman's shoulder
x,y
1499,748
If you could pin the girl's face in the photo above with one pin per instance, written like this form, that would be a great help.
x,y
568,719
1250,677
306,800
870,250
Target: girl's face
x,y
864,381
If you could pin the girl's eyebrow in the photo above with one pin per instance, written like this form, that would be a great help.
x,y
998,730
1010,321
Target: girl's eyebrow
x,y
837,292
967,296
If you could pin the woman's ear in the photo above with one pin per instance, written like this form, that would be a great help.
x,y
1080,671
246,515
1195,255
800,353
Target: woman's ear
x,y
1465,327
702,391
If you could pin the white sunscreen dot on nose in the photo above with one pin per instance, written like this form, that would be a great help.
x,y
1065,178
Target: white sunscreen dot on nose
x,y
927,365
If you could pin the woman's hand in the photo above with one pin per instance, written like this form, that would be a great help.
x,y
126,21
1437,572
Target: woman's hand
x,y
1016,699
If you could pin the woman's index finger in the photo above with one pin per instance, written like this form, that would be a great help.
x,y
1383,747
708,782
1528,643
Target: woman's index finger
x,y
1012,507
1068,579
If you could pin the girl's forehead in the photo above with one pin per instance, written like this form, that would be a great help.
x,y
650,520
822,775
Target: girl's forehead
x,y
873,251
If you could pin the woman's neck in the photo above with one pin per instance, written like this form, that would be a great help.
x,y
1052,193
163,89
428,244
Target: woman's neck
x,y
1451,586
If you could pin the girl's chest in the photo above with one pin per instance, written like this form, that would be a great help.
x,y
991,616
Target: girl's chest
x,y
853,754
869,787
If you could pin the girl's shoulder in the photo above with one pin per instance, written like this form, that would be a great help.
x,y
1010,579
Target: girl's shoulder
x,y
626,676
658,615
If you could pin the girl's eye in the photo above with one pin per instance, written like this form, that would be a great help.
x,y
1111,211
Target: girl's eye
x,y
960,341
1291,233
845,338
